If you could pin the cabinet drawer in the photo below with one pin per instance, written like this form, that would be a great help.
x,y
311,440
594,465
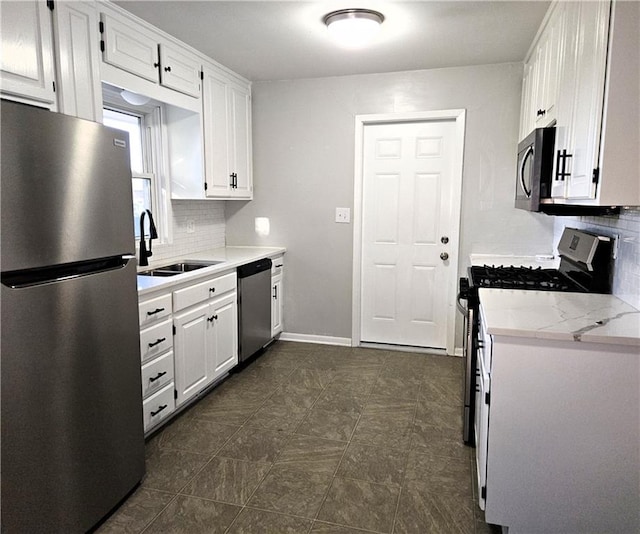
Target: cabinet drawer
x,y
277,265
157,373
156,339
183,298
154,309
158,406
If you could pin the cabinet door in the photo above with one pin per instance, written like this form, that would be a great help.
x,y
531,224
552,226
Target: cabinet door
x,y
26,62
192,347
592,38
179,70
568,28
216,134
225,334
78,55
526,111
130,48
276,305
240,157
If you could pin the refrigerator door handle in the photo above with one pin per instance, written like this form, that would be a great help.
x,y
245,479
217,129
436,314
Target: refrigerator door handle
x,y
58,273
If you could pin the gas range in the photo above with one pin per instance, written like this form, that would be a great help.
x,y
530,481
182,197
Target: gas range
x,y
585,266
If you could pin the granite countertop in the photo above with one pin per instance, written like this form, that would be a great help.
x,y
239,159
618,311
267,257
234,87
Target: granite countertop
x,y
585,317
230,258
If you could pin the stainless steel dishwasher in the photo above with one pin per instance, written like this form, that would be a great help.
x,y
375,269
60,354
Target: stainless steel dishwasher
x,y
254,307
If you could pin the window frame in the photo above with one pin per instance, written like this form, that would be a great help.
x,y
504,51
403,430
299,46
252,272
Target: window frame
x,y
154,152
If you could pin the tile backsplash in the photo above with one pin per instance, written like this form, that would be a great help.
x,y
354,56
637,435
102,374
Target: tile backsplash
x,y
208,229
626,226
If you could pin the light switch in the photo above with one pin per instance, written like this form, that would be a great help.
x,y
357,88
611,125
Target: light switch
x,y
343,215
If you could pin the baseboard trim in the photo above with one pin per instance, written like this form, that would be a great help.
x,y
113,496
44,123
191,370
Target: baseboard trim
x,y
459,352
310,338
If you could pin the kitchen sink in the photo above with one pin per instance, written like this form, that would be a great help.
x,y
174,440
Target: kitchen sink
x,y
179,268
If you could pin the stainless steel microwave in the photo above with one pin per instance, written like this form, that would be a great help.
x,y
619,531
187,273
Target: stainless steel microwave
x,y
535,168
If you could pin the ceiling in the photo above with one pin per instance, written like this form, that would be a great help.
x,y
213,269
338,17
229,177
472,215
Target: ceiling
x,y
274,40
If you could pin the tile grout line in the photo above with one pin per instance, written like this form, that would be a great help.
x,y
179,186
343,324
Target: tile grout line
x,y
326,494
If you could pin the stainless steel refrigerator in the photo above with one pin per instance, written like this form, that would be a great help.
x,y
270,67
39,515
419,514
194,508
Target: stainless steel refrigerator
x,y
72,432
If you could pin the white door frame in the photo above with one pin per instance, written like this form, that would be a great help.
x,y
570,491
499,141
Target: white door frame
x,y
459,115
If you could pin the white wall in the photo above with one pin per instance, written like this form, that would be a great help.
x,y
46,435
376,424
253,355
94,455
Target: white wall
x,y
303,150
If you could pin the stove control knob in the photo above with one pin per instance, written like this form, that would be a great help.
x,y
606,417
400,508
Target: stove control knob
x,y
444,240
444,256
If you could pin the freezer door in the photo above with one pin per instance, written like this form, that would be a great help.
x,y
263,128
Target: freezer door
x,y
72,436
66,189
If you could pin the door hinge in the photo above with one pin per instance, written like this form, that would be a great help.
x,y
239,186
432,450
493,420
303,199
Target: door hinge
x,y
101,26
202,75
50,4
101,45
205,186
174,330
487,397
54,86
596,175
483,492
175,394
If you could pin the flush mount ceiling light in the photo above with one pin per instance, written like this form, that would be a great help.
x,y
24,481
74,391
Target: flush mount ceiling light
x,y
134,99
353,28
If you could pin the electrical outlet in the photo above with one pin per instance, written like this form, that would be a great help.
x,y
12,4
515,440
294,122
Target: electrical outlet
x,y
191,226
343,215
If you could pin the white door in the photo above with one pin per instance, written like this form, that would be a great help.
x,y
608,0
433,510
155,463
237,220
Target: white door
x,y
407,220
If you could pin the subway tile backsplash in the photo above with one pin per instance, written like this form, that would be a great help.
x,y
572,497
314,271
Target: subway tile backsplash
x,y
208,229
626,278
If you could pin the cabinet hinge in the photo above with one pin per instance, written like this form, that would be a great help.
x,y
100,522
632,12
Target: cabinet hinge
x,y
596,175
483,492
174,330
487,398
101,27
175,394
50,4
101,45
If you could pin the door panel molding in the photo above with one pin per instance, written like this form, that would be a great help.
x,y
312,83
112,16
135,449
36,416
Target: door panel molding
x,y
457,115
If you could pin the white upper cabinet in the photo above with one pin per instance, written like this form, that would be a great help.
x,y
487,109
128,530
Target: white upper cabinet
x,y
179,70
26,62
227,136
582,76
78,59
138,50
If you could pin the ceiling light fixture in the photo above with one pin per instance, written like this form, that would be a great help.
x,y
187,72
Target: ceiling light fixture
x,y
353,28
134,99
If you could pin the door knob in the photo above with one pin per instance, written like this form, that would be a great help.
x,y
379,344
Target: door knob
x,y
444,240
444,256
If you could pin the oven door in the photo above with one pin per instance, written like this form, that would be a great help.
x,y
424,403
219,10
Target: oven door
x,y
468,348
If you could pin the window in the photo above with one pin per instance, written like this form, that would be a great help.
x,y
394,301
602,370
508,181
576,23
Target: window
x,y
141,155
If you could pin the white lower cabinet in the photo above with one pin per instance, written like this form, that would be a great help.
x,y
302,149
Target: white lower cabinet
x,y
557,435
158,406
277,301
206,334
156,353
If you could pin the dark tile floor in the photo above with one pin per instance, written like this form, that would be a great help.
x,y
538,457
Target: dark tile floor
x,y
314,439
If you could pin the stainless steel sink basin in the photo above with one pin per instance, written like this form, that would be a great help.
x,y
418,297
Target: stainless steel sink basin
x,y
185,266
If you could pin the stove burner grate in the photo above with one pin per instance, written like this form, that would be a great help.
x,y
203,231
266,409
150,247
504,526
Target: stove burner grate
x,y
531,278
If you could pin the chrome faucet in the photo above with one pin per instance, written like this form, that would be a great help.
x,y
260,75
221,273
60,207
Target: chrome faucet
x,y
153,234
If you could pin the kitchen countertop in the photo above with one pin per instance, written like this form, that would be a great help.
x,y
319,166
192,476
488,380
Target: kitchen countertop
x,y
231,257
585,317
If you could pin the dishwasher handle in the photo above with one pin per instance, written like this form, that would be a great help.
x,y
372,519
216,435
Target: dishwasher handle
x,y
254,267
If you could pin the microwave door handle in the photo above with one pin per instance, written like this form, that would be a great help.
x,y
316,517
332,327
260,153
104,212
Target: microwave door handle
x,y
526,156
